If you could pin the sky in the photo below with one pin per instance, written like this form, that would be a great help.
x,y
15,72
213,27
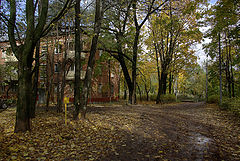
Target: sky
x,y
199,47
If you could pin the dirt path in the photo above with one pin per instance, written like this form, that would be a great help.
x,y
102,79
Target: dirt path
x,y
187,131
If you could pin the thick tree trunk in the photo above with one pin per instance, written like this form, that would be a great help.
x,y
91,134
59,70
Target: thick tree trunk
x,y
24,94
126,74
147,93
164,84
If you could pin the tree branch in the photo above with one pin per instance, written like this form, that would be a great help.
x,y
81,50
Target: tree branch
x,y
55,19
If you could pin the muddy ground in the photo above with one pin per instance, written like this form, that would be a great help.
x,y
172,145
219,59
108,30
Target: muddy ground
x,y
183,131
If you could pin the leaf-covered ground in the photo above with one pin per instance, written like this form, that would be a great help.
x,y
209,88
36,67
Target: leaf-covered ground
x,y
184,131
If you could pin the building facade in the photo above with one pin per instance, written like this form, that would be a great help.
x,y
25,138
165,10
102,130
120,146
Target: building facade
x,y
57,70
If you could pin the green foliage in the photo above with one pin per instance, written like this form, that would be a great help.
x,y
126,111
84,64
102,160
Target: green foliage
x,y
168,98
152,97
12,101
231,104
213,99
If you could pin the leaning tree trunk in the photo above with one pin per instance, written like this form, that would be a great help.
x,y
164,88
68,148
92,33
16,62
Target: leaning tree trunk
x,y
100,4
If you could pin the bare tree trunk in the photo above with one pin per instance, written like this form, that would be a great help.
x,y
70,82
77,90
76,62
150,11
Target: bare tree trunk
x,y
78,49
134,65
59,71
100,5
207,79
24,95
140,92
63,84
35,81
220,68
109,80
170,80
231,66
48,77
159,77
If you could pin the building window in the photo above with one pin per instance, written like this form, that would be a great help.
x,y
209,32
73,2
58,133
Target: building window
x,y
42,71
100,53
71,46
83,73
3,54
56,68
58,49
100,88
72,67
112,89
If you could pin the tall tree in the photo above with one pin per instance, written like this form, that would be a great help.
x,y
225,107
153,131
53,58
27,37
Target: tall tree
x,y
77,82
172,34
100,7
223,18
24,53
151,7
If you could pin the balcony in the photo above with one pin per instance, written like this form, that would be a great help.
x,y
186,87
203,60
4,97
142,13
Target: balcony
x,y
71,54
10,58
71,74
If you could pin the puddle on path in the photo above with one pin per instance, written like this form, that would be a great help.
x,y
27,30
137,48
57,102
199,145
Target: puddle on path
x,y
200,146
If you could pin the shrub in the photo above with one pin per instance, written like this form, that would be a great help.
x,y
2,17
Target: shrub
x,y
168,98
152,97
231,104
213,99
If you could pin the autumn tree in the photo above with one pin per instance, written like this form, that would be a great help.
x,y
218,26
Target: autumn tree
x,y
36,27
223,18
172,34
124,46
100,6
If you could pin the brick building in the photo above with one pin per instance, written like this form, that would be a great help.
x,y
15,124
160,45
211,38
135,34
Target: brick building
x,y
57,51
8,72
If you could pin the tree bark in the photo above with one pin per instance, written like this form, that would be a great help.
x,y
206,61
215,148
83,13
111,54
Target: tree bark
x,y
48,66
100,5
220,68
24,93
140,92
134,65
78,49
35,81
